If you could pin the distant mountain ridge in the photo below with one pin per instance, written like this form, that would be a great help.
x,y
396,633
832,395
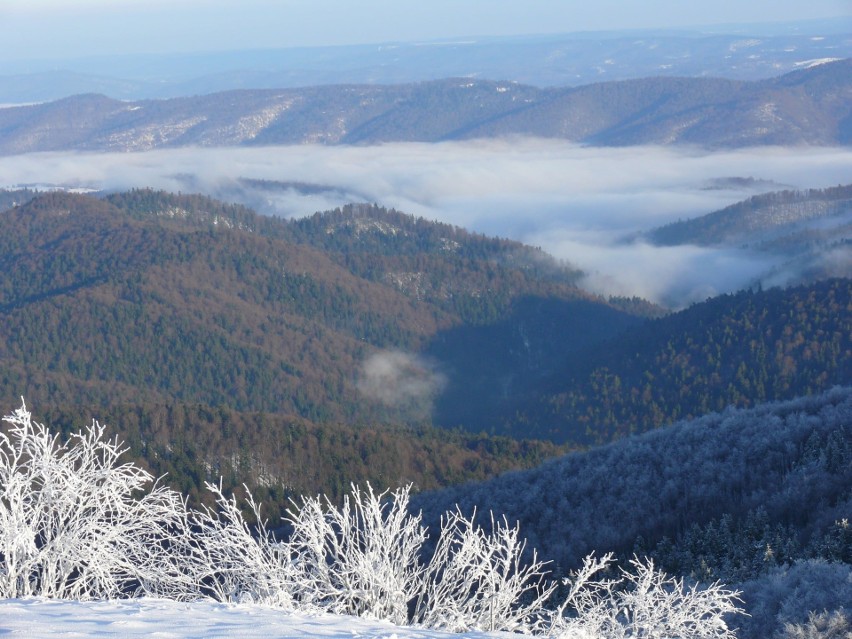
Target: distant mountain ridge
x,y
761,218
811,106
736,52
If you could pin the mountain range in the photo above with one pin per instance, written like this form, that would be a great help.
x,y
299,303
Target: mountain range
x,y
806,234
363,344
810,106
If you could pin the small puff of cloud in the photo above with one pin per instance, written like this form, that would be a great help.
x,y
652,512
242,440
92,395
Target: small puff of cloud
x,y
402,381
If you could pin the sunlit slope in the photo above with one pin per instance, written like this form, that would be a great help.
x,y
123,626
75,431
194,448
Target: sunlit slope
x,y
810,107
149,297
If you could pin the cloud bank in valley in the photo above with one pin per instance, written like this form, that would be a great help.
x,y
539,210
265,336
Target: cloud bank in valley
x,y
581,204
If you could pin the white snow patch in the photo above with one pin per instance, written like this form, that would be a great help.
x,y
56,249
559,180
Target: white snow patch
x,y
807,64
44,618
15,105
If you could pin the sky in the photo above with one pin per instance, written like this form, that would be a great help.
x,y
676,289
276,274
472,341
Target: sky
x,y
37,29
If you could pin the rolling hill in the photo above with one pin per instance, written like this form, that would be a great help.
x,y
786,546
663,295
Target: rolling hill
x,y
151,297
767,220
732,350
809,106
368,315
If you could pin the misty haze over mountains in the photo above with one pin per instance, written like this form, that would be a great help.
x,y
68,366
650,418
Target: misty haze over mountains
x,y
738,52
587,206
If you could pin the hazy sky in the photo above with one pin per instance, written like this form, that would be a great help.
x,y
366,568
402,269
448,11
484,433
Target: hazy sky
x,y
70,28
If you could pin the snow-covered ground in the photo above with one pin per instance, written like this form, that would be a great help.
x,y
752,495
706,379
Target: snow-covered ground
x,y
164,619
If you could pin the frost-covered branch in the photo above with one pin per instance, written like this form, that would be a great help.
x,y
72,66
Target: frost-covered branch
x,y
233,564
77,523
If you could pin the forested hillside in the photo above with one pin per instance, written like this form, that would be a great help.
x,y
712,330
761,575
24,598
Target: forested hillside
x,y
758,495
281,457
105,304
367,315
300,356
763,219
732,350
207,335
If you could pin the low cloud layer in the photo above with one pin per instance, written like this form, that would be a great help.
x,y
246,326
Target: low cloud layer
x,y
578,203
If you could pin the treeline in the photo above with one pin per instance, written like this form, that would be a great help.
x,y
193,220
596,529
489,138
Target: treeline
x,y
759,497
280,457
469,275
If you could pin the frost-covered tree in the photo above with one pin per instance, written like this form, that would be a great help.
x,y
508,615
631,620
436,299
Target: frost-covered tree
x,y
790,594
77,523
825,625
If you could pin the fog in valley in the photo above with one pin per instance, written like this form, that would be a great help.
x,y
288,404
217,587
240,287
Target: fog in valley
x,y
582,204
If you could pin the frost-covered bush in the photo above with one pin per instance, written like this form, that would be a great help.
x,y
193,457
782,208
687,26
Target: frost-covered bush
x,y
232,563
642,602
366,559
76,523
360,559
476,579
